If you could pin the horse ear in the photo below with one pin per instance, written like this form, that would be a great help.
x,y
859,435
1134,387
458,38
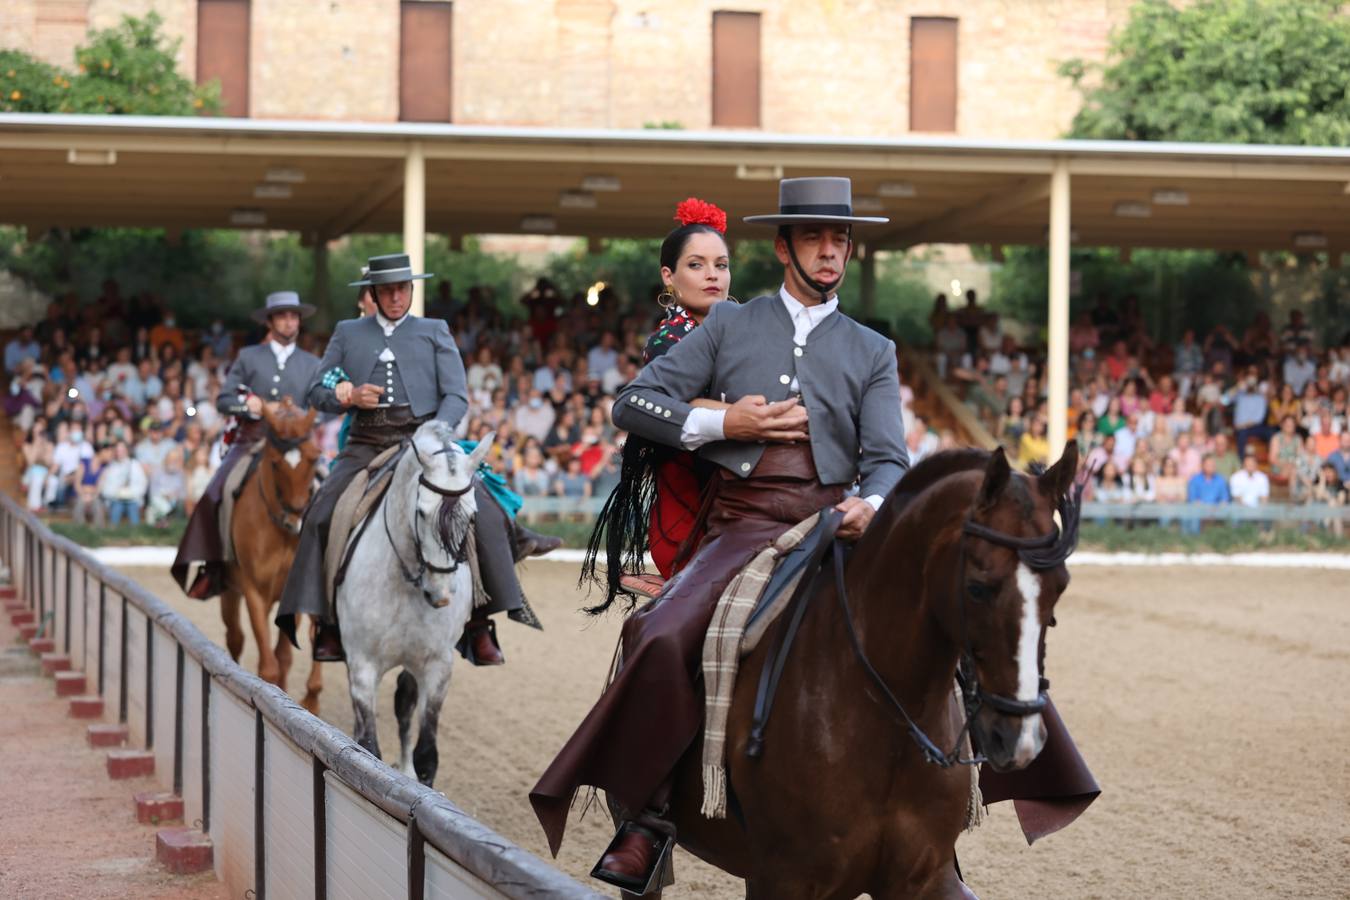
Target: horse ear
x,y
996,475
481,451
1057,481
310,417
269,415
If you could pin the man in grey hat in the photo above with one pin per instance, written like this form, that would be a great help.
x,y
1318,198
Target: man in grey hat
x,y
264,373
396,371
815,410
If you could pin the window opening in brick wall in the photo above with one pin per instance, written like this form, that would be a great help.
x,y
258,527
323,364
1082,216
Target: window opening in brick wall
x,y
222,51
735,69
424,62
932,74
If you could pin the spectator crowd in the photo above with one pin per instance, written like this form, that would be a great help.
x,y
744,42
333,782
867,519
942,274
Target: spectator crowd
x,y
1214,418
116,402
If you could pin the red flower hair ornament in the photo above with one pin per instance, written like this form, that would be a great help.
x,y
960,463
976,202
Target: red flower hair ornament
x,y
700,212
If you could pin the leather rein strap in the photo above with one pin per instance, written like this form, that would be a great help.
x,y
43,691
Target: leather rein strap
x,y
1039,548
772,670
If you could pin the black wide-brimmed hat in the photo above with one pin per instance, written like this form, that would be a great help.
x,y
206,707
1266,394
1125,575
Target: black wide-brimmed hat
x,y
283,301
393,268
815,200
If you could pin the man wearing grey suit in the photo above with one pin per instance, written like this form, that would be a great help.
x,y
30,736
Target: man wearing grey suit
x,y
814,408
269,372
396,371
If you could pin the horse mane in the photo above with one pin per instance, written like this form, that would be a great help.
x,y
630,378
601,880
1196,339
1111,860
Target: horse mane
x,y
932,469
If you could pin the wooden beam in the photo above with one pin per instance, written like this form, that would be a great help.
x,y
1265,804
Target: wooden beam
x,y
948,225
362,207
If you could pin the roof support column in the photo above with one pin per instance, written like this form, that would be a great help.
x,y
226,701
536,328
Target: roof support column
x,y
868,286
1058,355
319,292
415,217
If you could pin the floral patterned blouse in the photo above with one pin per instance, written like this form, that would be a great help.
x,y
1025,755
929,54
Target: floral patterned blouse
x,y
673,327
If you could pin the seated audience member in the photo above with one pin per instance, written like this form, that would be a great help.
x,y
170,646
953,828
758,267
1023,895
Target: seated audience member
x,y
1185,456
1011,425
1340,460
1325,433
1207,486
1171,484
122,485
920,441
88,507
1138,483
168,487
39,478
1226,461
1305,471
1034,446
1330,490
1249,486
572,481
530,479
1285,448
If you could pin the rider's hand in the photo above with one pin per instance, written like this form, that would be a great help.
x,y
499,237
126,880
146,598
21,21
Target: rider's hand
x,y
753,419
858,515
343,393
367,396
254,405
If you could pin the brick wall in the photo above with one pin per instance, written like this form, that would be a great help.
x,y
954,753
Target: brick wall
x,y
829,66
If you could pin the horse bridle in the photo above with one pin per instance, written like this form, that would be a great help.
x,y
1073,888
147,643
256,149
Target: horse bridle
x,y
457,555
1039,553
283,446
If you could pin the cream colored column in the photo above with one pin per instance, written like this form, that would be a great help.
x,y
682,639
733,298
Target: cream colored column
x,y
1058,353
415,217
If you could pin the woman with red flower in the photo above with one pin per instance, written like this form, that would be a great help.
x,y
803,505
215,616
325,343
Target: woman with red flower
x,y
655,506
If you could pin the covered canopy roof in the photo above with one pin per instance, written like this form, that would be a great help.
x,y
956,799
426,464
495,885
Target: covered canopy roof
x,y
330,178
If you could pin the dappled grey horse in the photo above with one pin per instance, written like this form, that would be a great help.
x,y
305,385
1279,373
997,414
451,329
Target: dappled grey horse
x,y
408,591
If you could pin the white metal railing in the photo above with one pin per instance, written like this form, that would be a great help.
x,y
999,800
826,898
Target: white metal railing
x,y
589,507
294,807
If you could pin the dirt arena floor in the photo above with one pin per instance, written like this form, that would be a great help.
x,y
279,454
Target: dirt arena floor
x,y
1211,703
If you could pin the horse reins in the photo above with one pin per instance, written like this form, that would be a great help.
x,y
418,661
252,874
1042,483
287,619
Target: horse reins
x,y
457,554
1042,552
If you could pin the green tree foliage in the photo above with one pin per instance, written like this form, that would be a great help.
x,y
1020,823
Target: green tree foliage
x,y
129,69
1225,71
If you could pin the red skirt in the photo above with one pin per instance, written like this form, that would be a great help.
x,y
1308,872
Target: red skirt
x,y
678,497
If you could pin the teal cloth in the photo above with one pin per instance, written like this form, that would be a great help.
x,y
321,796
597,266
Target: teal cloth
x,y
510,501
496,484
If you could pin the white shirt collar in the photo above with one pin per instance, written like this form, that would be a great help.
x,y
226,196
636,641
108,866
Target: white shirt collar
x,y
805,318
281,351
387,324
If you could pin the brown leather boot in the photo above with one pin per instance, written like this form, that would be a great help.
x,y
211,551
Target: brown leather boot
x,y
480,636
631,858
328,644
208,583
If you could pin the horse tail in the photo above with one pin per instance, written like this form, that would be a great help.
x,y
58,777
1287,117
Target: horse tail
x,y
621,529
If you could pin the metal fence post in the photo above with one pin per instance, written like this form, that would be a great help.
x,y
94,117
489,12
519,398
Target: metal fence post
x,y
178,724
259,797
320,831
149,683
206,751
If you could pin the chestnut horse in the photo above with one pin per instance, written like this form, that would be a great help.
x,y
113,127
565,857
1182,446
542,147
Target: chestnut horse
x,y
265,531
962,564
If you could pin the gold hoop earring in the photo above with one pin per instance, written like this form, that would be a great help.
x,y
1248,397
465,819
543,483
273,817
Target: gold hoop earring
x,y
667,299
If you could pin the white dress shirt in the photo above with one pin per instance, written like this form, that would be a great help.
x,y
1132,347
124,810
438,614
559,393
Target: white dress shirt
x,y
387,324
282,352
703,426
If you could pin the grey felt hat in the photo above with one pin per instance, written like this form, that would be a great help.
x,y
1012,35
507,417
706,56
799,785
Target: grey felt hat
x,y
283,301
392,268
815,200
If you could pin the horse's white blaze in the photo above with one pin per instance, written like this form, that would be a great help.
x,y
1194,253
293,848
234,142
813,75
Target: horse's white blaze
x,y
292,458
1028,670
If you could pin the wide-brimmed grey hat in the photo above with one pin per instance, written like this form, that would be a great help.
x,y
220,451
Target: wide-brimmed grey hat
x,y
283,301
392,268
815,200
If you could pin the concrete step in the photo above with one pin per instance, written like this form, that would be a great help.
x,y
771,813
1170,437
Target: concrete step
x,y
129,763
158,808
105,735
183,851
70,684
86,707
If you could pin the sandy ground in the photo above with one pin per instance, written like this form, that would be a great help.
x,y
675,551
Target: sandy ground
x,y
1211,704
66,829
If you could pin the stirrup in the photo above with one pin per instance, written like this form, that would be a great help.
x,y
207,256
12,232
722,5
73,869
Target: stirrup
x,y
654,877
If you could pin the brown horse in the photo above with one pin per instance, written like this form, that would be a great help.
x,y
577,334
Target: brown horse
x,y
962,563
265,531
